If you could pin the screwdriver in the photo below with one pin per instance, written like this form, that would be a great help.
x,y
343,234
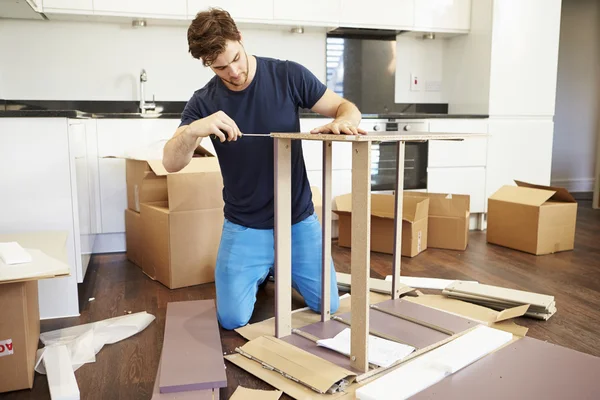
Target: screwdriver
x,y
215,137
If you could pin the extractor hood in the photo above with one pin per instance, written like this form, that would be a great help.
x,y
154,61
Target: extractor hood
x,y
20,9
365,33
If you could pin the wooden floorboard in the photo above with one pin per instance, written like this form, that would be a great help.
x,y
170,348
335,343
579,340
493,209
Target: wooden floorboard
x,y
127,369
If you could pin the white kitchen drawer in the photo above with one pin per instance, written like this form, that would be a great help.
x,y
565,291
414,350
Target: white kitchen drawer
x,y
341,182
313,155
470,152
469,181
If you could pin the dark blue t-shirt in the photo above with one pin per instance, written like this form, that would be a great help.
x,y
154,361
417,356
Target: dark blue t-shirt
x,y
269,104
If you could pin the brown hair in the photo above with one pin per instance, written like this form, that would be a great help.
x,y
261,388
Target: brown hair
x,y
208,34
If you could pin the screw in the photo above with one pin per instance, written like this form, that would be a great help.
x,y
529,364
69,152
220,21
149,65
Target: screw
x,y
287,146
356,151
353,358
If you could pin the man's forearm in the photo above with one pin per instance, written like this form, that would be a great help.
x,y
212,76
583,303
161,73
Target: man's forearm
x,y
178,151
347,111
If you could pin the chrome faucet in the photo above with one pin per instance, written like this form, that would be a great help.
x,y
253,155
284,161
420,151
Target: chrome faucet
x,y
145,106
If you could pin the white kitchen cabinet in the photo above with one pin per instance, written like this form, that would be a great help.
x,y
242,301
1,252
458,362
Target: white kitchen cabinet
x,y
461,180
38,171
442,15
519,149
471,152
68,6
392,14
239,10
308,11
141,8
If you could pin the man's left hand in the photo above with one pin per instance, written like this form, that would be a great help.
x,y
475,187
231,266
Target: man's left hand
x,y
340,127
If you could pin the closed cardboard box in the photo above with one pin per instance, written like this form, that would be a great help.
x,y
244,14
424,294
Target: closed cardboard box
x,y
448,220
414,223
19,334
133,237
532,218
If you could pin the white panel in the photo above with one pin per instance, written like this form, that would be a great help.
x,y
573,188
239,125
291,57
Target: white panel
x,y
113,190
110,243
378,13
164,8
69,5
519,149
307,10
45,202
259,10
341,182
469,181
526,87
442,15
80,187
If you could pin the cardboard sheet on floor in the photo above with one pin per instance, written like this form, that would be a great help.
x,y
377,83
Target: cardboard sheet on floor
x,y
484,315
208,394
301,317
425,283
41,266
314,372
288,386
375,285
192,354
526,369
242,393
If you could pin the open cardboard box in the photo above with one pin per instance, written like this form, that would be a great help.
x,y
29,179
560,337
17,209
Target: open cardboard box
x,y
175,235
414,223
532,218
20,322
448,223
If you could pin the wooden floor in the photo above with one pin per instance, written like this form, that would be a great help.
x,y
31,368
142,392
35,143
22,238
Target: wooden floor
x,y
126,370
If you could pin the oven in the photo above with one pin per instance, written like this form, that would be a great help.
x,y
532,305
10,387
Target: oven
x,y
383,157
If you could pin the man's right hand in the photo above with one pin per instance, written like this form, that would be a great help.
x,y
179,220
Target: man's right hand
x,y
219,124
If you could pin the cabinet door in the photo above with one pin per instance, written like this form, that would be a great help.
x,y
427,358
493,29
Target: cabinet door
x,y
377,13
69,6
312,11
443,15
163,8
258,10
469,181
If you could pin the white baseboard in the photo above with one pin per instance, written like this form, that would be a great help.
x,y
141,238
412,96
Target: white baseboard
x,y
575,185
110,243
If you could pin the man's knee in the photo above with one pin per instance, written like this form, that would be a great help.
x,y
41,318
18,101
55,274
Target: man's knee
x,y
233,317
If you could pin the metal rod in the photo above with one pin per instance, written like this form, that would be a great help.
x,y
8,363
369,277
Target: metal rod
x,y
373,332
414,320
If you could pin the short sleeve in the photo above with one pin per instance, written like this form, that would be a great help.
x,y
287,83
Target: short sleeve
x,y
191,112
305,87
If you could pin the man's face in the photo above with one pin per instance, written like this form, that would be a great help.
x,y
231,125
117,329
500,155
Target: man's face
x,y
232,65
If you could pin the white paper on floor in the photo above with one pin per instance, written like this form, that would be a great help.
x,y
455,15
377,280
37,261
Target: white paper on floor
x,y
381,352
83,342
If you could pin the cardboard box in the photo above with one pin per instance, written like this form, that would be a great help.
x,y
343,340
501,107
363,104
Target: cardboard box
x,y
414,223
19,334
532,218
175,236
133,237
317,200
448,226
19,302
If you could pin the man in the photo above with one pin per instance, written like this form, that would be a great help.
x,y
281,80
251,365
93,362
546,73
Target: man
x,y
255,95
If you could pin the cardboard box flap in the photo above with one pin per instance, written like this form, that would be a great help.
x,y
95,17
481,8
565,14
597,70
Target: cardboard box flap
x,y
414,208
342,204
561,195
300,365
522,195
445,204
196,165
383,205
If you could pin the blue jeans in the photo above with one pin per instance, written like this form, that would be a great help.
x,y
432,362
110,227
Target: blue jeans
x,y
247,255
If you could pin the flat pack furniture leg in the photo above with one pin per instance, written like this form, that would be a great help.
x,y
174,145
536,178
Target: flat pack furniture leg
x,y
326,227
400,147
283,237
360,259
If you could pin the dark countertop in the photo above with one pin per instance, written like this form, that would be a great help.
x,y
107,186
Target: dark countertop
x,y
171,115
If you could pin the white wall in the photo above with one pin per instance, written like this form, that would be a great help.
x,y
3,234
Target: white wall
x,y
421,57
578,96
57,60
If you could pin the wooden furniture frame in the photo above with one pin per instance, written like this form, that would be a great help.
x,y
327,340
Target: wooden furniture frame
x,y
361,227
